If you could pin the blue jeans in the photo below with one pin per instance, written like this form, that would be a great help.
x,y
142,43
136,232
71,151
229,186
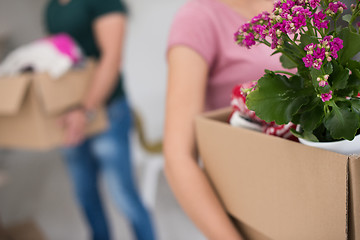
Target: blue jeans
x,y
108,153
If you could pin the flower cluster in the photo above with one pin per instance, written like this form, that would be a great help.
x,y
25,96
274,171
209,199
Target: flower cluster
x,y
288,17
323,95
326,96
335,7
256,29
327,49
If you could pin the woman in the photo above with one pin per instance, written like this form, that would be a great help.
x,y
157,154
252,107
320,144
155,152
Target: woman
x,y
204,65
99,28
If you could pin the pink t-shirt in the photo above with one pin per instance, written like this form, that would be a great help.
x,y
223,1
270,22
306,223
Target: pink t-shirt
x,y
208,27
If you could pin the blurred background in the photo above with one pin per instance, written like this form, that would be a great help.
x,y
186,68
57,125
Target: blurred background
x,y
34,185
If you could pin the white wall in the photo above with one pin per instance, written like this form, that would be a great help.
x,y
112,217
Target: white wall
x,y
21,19
145,64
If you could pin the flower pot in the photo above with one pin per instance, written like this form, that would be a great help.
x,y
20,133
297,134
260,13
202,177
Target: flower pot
x,y
238,120
343,146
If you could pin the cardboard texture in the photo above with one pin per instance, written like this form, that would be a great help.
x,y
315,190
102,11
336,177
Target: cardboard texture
x,y
30,105
24,231
279,189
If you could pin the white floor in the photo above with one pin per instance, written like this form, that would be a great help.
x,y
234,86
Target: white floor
x,y
37,187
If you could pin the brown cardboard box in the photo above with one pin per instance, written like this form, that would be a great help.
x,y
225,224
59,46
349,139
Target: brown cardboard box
x,y
30,105
23,231
279,189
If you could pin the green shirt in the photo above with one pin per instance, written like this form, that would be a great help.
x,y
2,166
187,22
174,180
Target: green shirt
x,y
76,18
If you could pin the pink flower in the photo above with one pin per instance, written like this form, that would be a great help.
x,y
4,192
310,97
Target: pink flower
x,y
323,83
299,21
334,7
261,30
336,45
314,3
317,64
326,96
308,60
245,27
310,47
319,53
249,40
319,22
263,17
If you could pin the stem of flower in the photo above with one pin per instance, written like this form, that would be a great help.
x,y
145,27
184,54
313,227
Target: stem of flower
x,y
318,30
335,30
310,29
326,109
353,17
301,51
285,72
302,30
265,42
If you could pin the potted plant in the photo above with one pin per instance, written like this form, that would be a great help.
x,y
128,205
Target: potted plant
x,y
322,97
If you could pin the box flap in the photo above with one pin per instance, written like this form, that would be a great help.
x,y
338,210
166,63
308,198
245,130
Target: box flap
x,y
12,93
57,95
282,189
354,197
25,231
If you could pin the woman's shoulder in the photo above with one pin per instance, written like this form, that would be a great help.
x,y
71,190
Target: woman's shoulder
x,y
197,10
194,26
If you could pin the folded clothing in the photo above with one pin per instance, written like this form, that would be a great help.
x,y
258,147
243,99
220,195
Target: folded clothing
x,y
55,54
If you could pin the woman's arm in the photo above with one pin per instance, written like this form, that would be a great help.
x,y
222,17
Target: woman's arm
x,y
187,81
109,32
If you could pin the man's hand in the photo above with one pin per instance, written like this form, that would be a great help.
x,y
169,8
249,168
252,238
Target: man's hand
x,y
73,124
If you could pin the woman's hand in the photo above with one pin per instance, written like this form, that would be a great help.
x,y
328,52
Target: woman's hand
x,y
74,126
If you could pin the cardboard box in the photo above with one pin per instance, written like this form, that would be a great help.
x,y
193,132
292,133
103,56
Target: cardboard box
x,y
279,189
22,231
30,105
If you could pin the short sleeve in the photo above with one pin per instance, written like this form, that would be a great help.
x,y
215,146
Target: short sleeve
x,y
101,7
193,27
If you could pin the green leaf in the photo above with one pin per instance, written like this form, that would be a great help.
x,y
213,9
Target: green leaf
x,y
287,63
306,40
346,18
289,48
355,105
324,89
323,134
314,75
304,135
351,45
275,52
339,77
353,82
354,66
342,123
328,68
356,72
277,98
304,71
311,119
